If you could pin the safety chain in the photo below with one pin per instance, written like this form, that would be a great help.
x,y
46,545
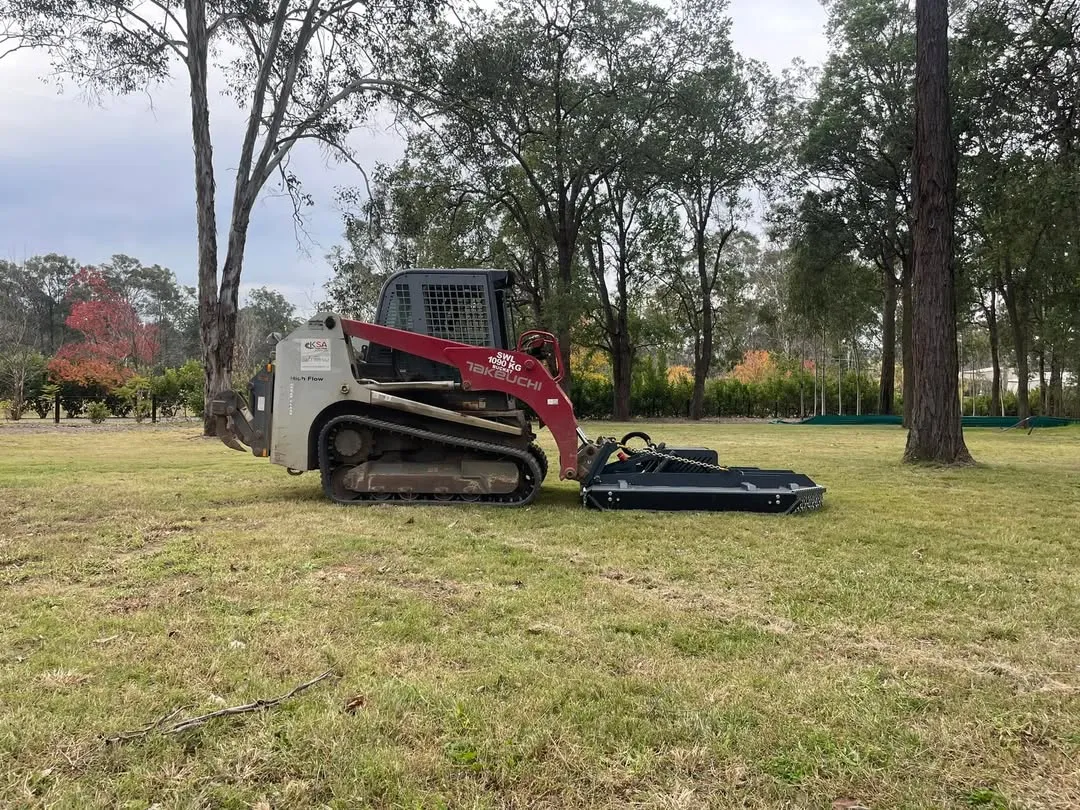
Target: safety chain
x,y
689,461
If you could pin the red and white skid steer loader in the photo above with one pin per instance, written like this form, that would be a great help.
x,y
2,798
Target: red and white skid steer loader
x,y
432,404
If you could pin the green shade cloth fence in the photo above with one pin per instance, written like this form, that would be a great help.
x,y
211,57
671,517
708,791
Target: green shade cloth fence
x,y
969,421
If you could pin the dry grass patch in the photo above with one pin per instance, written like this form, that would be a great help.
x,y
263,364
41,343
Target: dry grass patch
x,y
915,644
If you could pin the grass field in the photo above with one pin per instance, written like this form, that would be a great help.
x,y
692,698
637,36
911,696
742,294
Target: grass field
x,y
914,644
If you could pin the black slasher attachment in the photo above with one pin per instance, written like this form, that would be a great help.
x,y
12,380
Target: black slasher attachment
x,y
673,479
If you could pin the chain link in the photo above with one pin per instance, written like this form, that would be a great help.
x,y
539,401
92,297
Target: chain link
x,y
679,459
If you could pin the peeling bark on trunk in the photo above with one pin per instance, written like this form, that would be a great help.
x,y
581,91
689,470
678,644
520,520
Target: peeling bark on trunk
x,y
218,367
936,430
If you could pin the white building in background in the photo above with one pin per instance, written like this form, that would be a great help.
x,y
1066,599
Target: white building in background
x,y
1010,379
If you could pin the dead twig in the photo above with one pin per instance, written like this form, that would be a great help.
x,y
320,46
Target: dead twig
x,y
192,722
247,707
123,736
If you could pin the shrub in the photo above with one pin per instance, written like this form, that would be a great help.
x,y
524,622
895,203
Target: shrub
x,y
765,386
649,391
177,388
194,401
98,411
74,405
982,406
1009,401
118,405
142,410
593,395
43,403
9,409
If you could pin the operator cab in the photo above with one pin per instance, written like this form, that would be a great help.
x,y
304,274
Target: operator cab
x,y
468,306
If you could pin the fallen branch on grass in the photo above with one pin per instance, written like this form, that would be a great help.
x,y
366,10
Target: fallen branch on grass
x,y
123,736
192,722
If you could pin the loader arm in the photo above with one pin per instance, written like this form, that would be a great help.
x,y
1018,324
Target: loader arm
x,y
483,369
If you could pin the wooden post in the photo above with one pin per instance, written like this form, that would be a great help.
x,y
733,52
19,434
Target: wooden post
x,y
153,409
56,408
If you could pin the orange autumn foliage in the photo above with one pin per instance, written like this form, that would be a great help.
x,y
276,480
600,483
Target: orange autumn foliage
x,y
756,366
677,374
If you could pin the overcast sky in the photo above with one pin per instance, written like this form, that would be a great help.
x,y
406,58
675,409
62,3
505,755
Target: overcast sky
x,y
91,180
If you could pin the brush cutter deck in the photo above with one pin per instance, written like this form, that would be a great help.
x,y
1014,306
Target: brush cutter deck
x,y
690,479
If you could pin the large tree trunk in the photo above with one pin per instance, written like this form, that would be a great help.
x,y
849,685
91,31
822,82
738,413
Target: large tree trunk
x,y
565,245
621,366
1014,308
1043,402
888,348
824,381
217,353
906,343
703,358
615,323
702,364
995,354
1056,397
936,432
623,360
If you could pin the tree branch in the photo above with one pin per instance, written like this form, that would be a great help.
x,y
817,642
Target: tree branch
x,y
192,722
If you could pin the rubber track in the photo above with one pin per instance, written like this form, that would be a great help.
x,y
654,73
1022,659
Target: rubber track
x,y
517,498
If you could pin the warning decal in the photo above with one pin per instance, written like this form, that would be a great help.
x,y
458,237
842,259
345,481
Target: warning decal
x,y
314,354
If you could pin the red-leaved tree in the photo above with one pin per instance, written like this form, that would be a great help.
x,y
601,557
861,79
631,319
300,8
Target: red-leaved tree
x,y
115,344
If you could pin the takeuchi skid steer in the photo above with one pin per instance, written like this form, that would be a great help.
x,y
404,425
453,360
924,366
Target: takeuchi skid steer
x,y
431,403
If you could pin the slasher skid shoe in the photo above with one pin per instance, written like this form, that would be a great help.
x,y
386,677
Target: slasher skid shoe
x,y
432,404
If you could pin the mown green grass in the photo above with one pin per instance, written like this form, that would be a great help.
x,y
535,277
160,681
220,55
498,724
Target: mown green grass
x,y
912,645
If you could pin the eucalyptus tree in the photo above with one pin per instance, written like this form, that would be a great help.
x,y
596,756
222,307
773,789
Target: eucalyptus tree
x,y
536,102
629,243
302,70
936,430
720,145
1018,100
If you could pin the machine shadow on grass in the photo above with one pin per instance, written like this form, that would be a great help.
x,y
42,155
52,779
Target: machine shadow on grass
x,y
307,489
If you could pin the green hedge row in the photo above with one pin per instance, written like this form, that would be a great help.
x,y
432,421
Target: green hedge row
x,y
653,395
174,391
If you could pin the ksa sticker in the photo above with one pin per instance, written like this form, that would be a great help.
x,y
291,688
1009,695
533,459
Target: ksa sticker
x,y
314,354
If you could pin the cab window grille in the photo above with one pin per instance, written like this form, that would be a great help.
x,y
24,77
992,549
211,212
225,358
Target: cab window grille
x,y
399,309
457,312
